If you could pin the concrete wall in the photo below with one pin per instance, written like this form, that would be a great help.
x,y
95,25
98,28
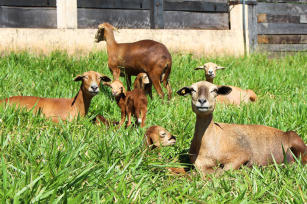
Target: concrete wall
x,y
81,41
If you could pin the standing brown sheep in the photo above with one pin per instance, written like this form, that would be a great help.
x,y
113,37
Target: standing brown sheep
x,y
146,56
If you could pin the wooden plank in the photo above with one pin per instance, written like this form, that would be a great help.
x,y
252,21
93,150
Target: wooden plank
x,y
247,2
303,18
282,39
193,20
169,5
283,1
115,4
281,28
268,18
23,17
283,47
282,9
29,3
252,28
196,6
91,18
157,14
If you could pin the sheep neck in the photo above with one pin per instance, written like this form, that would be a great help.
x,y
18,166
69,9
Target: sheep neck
x,y
204,128
111,42
120,98
209,79
82,101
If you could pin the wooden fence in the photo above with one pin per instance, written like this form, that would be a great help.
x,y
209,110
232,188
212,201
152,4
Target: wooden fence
x,y
282,27
28,14
121,13
272,25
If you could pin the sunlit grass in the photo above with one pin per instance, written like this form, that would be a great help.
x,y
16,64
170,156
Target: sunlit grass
x,y
78,161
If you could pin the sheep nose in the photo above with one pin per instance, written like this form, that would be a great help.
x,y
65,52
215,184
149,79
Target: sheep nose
x,y
210,72
94,87
202,100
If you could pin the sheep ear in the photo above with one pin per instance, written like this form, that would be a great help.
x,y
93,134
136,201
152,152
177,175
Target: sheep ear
x,y
148,140
220,67
100,33
79,78
224,90
106,83
146,79
184,91
198,68
116,29
101,26
105,78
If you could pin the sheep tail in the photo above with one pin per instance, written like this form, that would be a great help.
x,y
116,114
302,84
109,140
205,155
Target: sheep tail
x,y
252,95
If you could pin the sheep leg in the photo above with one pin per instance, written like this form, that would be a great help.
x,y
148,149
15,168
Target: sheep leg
x,y
123,116
129,118
156,83
150,91
167,85
128,80
237,161
143,113
116,72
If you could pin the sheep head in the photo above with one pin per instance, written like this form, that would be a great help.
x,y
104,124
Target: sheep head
x,y
204,95
102,29
210,69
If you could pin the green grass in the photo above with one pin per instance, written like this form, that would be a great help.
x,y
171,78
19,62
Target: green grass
x,y
78,161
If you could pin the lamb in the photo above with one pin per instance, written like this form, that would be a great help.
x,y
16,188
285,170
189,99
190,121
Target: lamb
x,y
237,94
157,136
131,102
225,146
146,56
63,108
142,82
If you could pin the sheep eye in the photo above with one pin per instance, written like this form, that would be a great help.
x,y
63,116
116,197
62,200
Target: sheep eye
x,y
214,91
193,90
163,134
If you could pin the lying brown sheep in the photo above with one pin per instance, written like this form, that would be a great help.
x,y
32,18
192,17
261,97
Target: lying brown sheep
x,y
237,94
63,108
231,145
157,136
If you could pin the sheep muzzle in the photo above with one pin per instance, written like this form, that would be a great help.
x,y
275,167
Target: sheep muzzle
x,y
99,35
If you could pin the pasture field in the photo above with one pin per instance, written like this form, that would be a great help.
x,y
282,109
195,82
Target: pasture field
x,y
80,162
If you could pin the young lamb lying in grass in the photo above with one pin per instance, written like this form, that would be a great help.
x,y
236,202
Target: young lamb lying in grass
x,y
237,94
63,108
131,102
231,145
157,136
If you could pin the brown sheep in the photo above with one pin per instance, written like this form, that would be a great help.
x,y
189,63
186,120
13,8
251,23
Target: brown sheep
x,y
237,94
142,82
131,102
157,136
63,108
146,56
229,146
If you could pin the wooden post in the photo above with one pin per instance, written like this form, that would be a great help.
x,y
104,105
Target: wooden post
x,y
67,14
252,27
157,18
